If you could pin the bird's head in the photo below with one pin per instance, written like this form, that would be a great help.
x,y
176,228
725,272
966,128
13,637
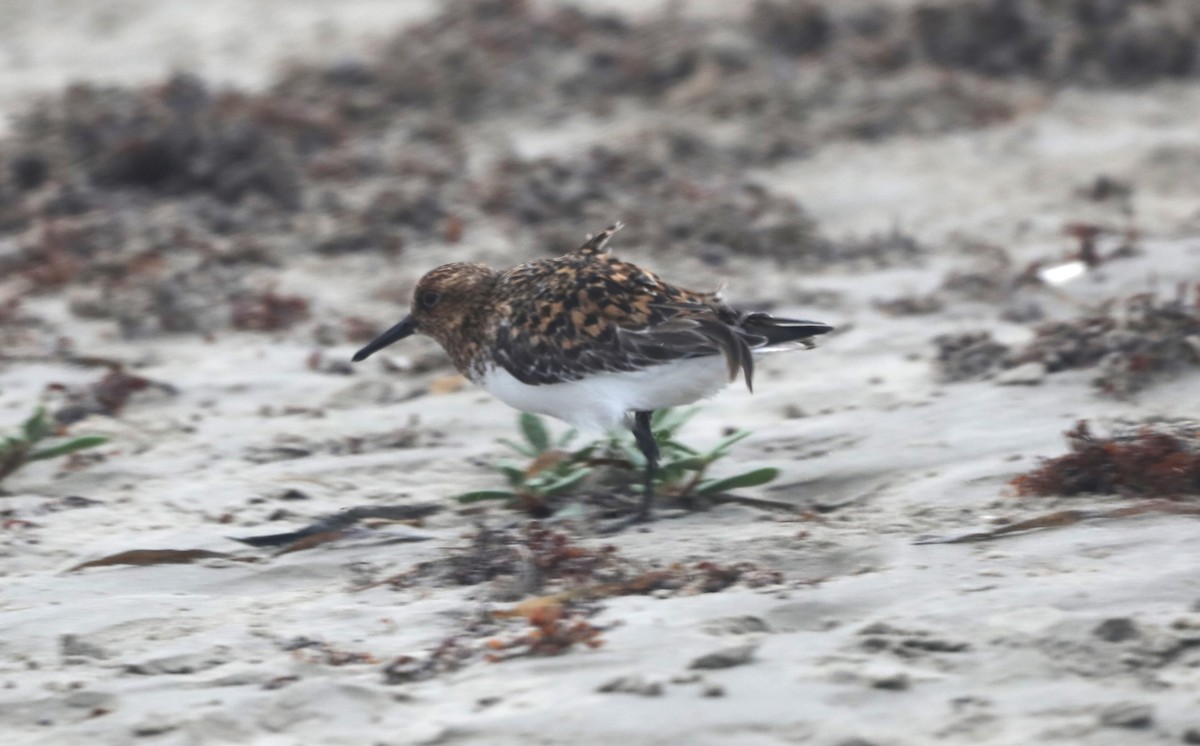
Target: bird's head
x,y
442,302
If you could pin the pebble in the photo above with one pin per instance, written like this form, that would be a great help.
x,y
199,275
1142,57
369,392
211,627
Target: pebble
x,y
1127,715
74,647
1117,629
632,684
896,682
1028,374
727,658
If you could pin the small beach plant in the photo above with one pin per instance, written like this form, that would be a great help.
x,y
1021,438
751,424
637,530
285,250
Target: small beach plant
x,y
554,468
28,444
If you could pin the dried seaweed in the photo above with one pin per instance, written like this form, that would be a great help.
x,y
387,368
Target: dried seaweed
x,y
1144,340
176,138
535,559
1153,460
106,396
143,557
555,630
267,311
342,520
968,356
664,205
1133,343
1063,518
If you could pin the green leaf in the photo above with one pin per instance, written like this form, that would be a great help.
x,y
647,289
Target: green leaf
x,y
691,463
722,447
583,454
668,474
674,445
514,474
670,420
481,495
562,485
36,427
566,438
62,449
535,432
523,450
749,479
631,453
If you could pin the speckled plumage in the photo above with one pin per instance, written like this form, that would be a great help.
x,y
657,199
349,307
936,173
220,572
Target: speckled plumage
x,y
590,339
557,320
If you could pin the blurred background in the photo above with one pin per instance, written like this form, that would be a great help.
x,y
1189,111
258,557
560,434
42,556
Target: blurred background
x,y
172,169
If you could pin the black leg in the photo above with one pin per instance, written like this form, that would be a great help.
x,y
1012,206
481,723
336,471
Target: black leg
x,y
649,447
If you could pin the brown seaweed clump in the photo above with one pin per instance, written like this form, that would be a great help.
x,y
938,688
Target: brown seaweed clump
x,y
1143,341
664,205
1155,460
969,356
1146,340
179,137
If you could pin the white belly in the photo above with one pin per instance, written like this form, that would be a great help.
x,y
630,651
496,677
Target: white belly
x,y
601,401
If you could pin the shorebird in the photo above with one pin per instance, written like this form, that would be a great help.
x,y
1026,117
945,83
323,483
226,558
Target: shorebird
x,y
591,340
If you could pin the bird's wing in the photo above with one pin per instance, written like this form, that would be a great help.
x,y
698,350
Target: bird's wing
x,y
587,312
571,351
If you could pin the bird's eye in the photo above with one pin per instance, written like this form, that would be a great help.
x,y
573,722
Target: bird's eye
x,y
429,299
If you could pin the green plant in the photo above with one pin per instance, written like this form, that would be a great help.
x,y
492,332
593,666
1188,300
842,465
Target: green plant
x,y
682,471
555,470
552,471
18,450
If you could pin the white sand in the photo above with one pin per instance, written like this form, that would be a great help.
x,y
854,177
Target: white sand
x,y
898,644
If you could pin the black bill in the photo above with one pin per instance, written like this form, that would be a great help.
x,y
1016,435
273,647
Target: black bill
x,y
398,332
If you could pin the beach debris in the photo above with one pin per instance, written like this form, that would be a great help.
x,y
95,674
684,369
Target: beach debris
x,y
336,526
556,628
738,655
76,648
631,684
545,558
536,559
910,305
968,356
1132,342
907,643
1060,274
179,665
1146,340
1061,518
107,396
1117,629
1154,459
318,362
1132,715
1026,374
144,557
312,650
267,311
288,446
450,655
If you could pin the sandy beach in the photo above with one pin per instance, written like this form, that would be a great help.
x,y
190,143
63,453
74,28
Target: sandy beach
x,y
909,198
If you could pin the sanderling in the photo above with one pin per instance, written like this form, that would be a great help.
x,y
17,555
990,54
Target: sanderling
x,y
590,339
